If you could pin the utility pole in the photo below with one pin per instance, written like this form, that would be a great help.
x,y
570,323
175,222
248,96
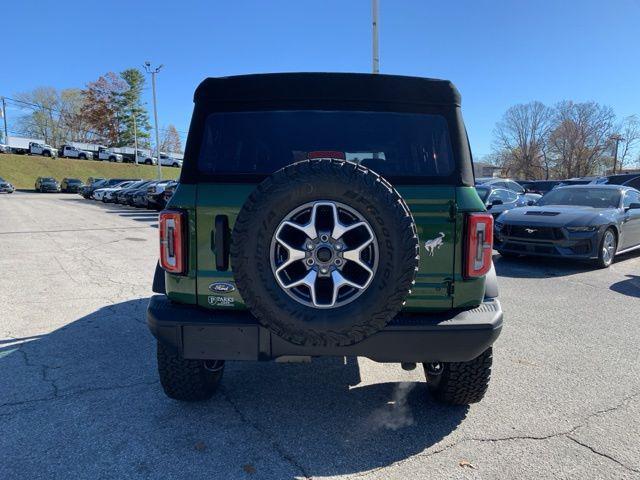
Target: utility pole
x,y
4,118
135,136
616,138
153,72
376,56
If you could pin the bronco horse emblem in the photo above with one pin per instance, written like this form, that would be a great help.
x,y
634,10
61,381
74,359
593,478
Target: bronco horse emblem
x,y
434,244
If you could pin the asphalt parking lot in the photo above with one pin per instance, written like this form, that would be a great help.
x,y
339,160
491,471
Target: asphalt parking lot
x,y
79,395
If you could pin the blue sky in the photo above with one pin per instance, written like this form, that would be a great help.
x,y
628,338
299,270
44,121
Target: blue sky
x,y
497,53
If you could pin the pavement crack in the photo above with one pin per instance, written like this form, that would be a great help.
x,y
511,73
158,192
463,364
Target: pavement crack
x,y
566,434
284,455
57,395
602,454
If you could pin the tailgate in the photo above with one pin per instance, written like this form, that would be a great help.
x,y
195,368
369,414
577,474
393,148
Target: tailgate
x,y
432,208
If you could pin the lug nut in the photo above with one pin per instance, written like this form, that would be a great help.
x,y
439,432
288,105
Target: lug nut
x,y
324,270
338,246
324,238
309,261
338,261
309,246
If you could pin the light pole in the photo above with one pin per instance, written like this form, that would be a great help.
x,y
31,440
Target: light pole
x,y
135,137
616,138
376,56
153,72
4,118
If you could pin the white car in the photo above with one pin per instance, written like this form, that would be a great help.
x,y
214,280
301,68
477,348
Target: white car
x,y
106,194
145,159
108,154
69,151
5,148
170,161
42,149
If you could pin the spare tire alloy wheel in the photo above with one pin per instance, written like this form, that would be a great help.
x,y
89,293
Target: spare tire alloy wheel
x,y
324,253
320,261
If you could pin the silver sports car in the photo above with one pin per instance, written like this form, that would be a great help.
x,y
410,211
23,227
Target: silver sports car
x,y
593,222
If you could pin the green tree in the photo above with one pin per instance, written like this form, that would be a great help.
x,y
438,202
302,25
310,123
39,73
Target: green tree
x,y
132,114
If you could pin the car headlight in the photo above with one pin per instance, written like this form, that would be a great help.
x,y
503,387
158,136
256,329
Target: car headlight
x,y
590,228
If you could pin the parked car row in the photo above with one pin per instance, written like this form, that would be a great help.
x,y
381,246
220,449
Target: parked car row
x,y
51,185
501,194
120,155
152,194
589,218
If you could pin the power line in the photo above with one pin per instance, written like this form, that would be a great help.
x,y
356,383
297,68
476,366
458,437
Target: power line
x,y
61,112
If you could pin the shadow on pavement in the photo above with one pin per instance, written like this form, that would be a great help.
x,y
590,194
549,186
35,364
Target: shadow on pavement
x,y
538,267
547,267
630,287
84,401
137,214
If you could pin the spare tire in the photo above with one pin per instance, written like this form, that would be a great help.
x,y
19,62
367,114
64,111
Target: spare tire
x,y
324,252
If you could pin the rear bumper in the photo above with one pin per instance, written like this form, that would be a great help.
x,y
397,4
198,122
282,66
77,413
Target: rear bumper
x,y
197,333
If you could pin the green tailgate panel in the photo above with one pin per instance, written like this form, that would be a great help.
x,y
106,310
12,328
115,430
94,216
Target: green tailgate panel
x,y
432,208
217,199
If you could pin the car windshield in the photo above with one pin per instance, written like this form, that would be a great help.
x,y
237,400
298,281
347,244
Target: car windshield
x,y
483,192
73,180
48,179
583,197
393,144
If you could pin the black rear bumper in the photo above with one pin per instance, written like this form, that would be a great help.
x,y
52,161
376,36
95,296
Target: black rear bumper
x,y
197,333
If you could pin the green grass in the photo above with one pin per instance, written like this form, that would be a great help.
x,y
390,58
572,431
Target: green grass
x,y
22,170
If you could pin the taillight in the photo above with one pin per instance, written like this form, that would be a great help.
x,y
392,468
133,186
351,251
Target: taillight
x,y
172,241
479,243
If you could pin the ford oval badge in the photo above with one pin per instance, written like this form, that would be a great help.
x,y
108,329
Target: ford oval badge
x,y
222,287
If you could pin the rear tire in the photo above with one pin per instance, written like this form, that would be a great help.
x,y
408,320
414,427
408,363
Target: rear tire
x,y
188,380
460,383
607,249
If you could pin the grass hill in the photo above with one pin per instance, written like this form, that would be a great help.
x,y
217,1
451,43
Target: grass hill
x,y
22,170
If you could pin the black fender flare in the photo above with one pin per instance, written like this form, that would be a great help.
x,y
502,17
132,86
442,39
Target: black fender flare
x,y
158,281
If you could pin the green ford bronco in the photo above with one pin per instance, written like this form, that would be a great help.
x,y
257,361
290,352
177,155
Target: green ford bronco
x,y
323,214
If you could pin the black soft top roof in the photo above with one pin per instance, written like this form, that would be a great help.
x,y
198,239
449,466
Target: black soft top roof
x,y
352,87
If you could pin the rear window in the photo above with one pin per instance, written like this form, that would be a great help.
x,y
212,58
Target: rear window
x,y
392,144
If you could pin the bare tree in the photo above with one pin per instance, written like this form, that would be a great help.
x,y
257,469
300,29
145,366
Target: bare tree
x,y
629,132
170,141
54,115
521,139
41,121
579,141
